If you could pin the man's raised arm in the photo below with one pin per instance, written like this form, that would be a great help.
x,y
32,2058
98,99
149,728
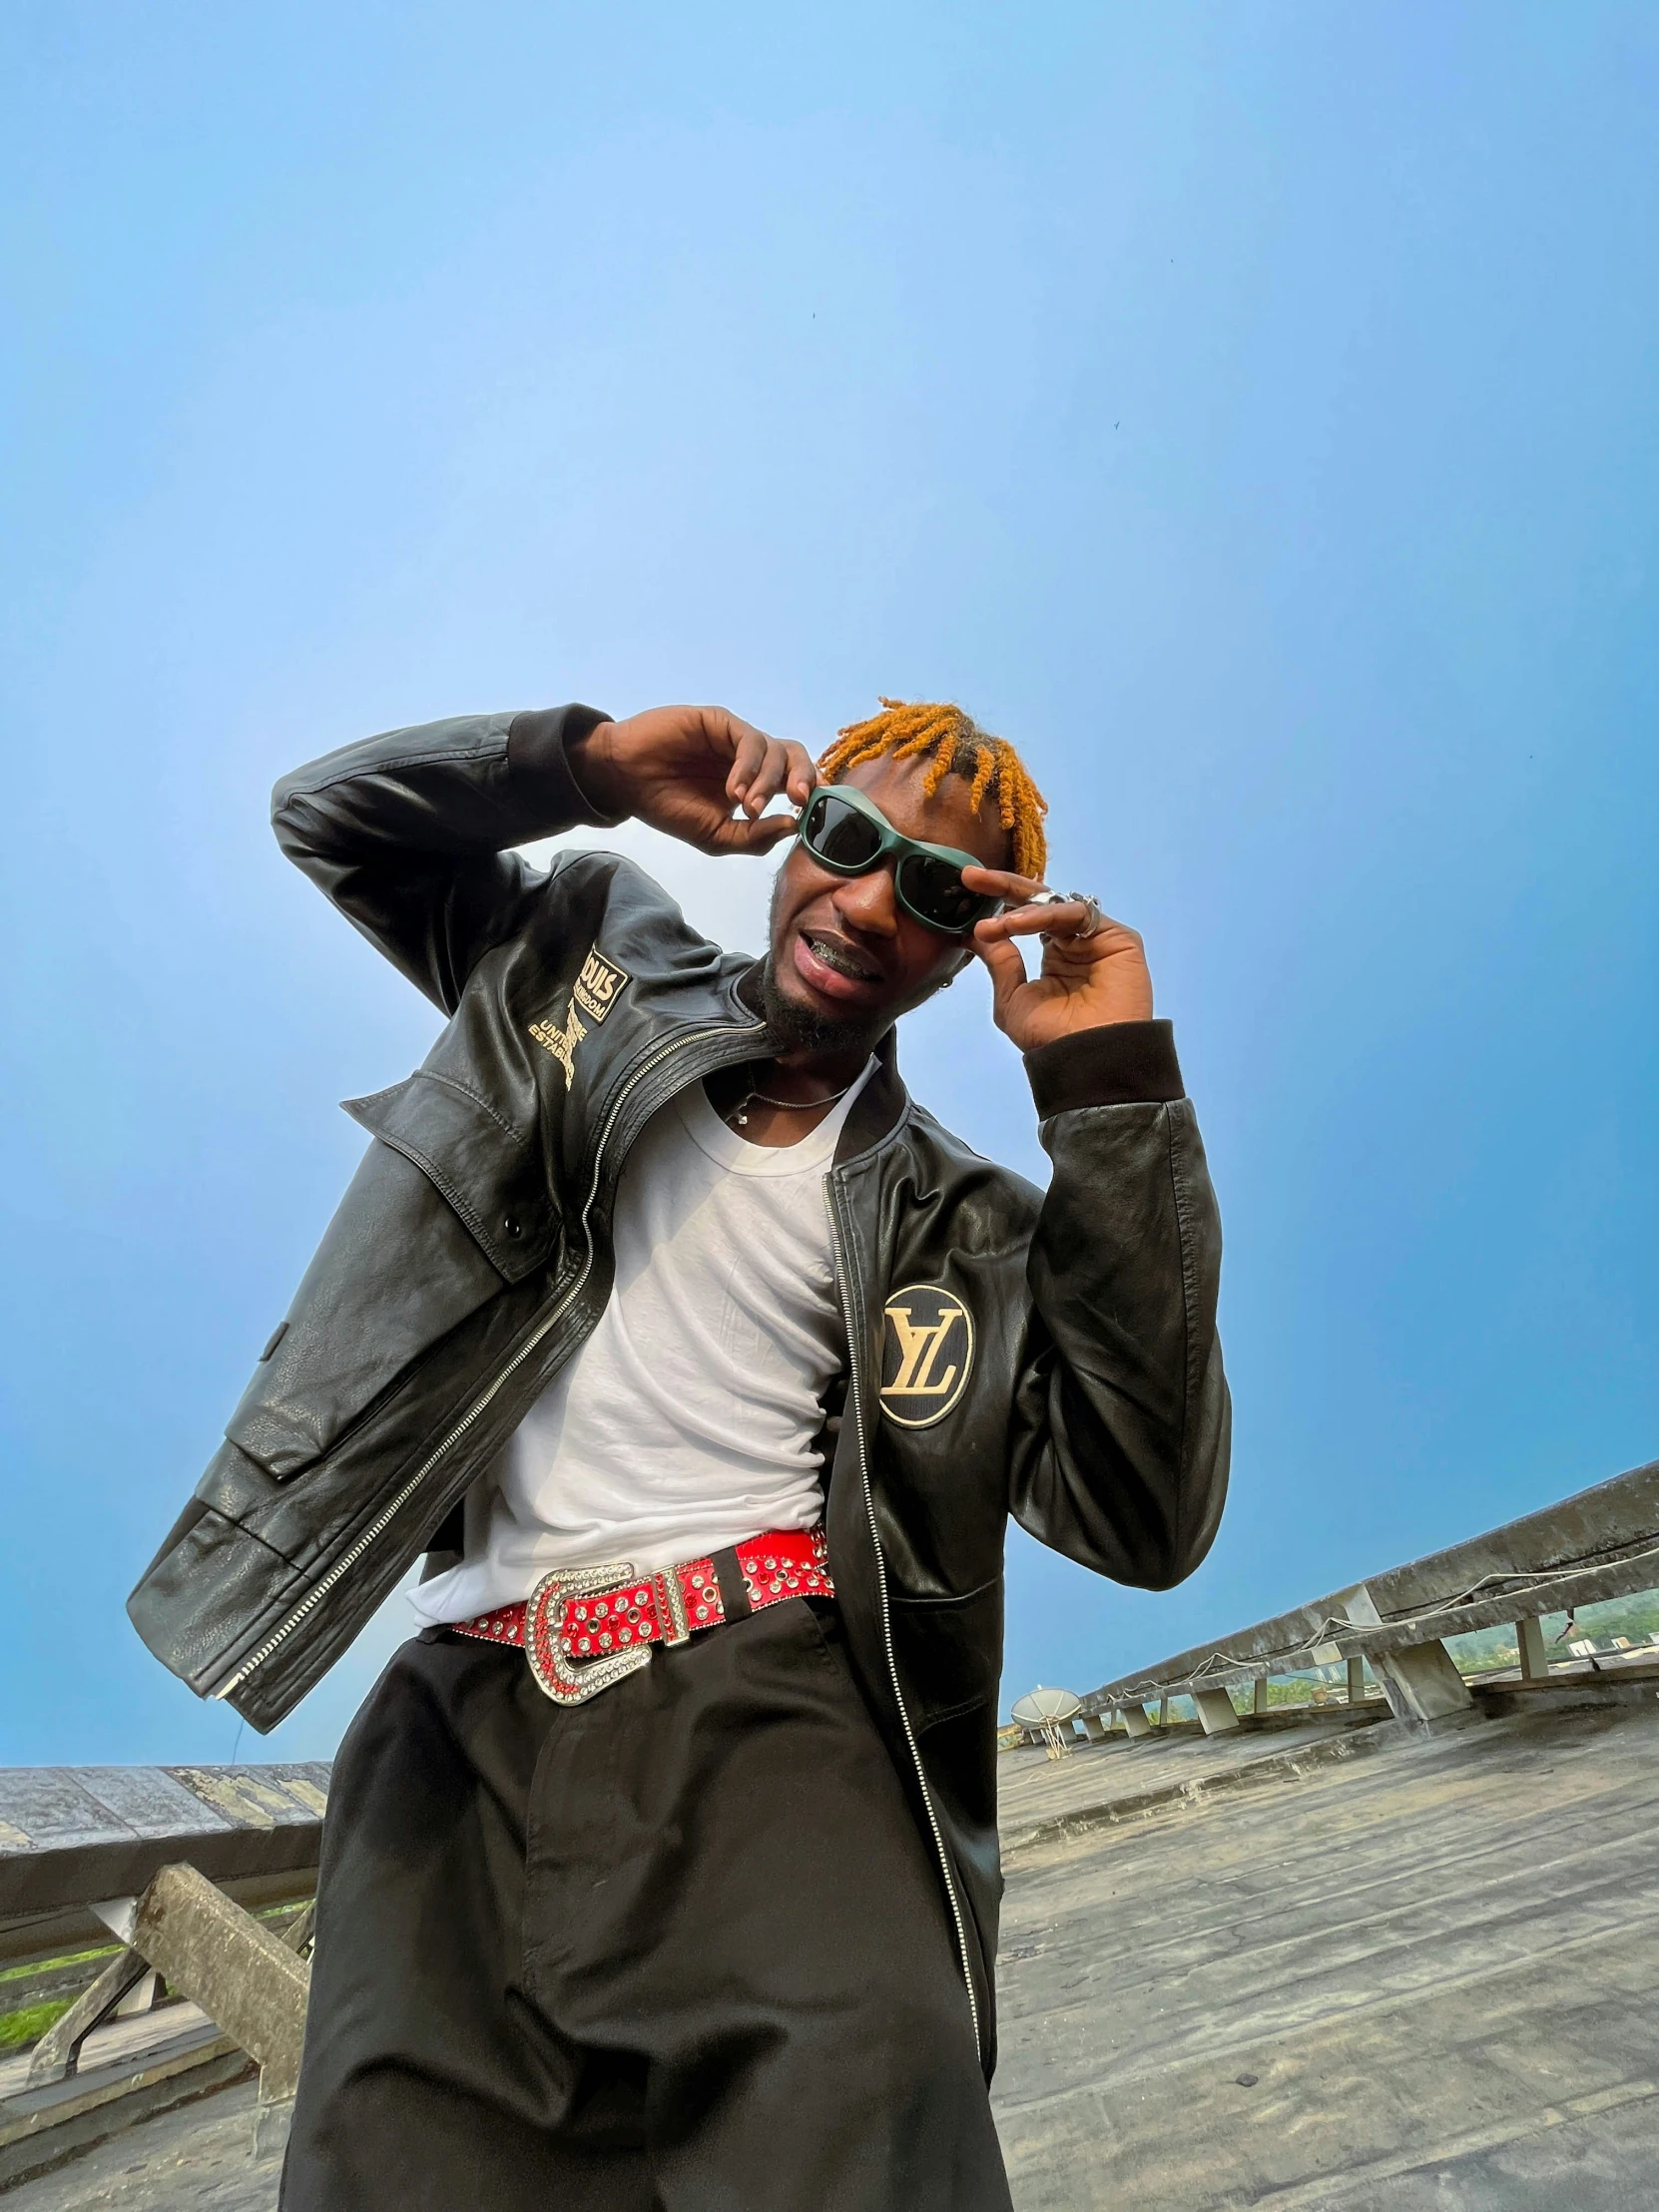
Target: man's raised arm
x,y
410,833
1122,1422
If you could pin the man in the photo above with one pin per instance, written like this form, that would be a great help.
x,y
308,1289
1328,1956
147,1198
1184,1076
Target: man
x,y
707,1367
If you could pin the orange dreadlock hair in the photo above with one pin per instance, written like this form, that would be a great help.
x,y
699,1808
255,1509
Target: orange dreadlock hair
x,y
959,748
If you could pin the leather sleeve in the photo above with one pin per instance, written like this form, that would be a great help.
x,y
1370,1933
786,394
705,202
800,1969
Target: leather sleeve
x,y
1122,1420
410,835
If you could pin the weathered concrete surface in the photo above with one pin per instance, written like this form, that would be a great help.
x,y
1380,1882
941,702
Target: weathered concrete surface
x,y
243,1975
1438,1962
1438,1955
1043,1800
55,2057
131,2071
1421,1681
197,2157
68,1835
116,2043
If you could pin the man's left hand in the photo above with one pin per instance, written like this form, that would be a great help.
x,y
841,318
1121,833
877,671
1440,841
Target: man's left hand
x,y
1085,982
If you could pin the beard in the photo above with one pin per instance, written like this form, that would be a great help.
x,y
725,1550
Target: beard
x,y
801,1028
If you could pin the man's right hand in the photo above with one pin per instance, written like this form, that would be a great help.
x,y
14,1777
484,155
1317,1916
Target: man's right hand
x,y
696,772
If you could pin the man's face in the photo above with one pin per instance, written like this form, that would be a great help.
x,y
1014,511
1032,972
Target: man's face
x,y
846,959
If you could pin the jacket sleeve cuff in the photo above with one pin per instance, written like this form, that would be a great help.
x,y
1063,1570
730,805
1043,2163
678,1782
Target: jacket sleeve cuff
x,y
537,754
1122,1063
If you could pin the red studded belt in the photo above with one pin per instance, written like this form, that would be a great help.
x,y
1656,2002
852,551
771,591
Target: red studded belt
x,y
584,1628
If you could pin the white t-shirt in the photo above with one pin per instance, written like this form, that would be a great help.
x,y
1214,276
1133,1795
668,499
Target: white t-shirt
x,y
688,1419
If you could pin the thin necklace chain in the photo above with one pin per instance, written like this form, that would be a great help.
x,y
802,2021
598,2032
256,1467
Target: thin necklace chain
x,y
740,1112
797,1105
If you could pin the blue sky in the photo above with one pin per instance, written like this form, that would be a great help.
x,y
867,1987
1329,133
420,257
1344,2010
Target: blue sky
x,y
1251,410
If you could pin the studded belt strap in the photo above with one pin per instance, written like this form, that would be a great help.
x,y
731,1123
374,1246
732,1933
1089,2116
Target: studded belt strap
x,y
584,1628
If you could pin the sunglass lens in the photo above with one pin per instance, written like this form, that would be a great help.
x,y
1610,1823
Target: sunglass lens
x,y
934,890
839,835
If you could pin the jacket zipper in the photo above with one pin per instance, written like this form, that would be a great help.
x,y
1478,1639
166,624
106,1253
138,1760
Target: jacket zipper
x,y
853,1305
394,1505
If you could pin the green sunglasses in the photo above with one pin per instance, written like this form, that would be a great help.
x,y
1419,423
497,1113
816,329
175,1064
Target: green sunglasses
x,y
849,834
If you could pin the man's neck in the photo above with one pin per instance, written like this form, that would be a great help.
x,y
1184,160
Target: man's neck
x,y
779,1102
810,1070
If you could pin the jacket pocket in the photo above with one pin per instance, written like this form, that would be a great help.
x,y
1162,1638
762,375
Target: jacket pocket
x,y
950,1651
447,1206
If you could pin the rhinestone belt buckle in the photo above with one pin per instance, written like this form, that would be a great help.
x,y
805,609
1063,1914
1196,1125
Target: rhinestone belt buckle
x,y
570,1681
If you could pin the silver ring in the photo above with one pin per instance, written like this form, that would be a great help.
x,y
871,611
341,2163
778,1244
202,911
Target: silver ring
x,y
1094,919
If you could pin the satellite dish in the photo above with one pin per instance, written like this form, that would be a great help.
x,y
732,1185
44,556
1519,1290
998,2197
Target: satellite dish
x,y
1050,1713
1040,1705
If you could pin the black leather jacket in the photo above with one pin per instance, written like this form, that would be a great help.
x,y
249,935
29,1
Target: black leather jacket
x,y
1053,1357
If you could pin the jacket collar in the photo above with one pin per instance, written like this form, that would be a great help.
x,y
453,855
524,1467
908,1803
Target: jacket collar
x,y
878,1108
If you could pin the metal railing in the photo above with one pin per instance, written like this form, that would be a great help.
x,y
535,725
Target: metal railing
x,y
1602,1544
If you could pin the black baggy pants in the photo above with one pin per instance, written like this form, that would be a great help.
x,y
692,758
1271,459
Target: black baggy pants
x,y
677,1949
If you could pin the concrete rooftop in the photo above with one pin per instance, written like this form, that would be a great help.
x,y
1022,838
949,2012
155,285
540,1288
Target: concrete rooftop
x,y
1369,1968
1334,1965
